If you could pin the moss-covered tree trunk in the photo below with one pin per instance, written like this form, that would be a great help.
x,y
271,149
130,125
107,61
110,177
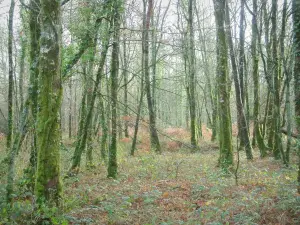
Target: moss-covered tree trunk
x,y
125,77
283,65
138,115
296,31
104,128
48,185
278,148
90,80
257,135
10,75
22,62
225,134
154,139
242,94
34,53
112,159
192,73
12,152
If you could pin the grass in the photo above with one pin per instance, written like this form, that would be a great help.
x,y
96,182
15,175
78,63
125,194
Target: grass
x,y
178,187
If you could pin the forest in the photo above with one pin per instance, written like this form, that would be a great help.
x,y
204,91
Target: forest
x,y
149,112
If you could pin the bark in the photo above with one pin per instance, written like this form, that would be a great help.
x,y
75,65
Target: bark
x,y
104,128
90,79
112,159
34,53
125,74
152,120
257,135
48,185
287,82
296,32
225,135
136,127
10,75
22,67
12,155
278,149
192,72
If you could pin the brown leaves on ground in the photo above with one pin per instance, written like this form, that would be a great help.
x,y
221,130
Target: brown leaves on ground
x,y
180,188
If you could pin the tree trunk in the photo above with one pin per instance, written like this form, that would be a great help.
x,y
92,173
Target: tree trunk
x,y
257,135
278,149
34,53
104,132
12,155
125,74
112,159
287,80
192,73
137,120
225,134
296,31
48,185
70,109
243,131
152,120
10,75
22,66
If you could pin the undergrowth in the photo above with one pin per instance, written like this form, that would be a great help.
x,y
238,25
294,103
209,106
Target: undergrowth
x,y
176,187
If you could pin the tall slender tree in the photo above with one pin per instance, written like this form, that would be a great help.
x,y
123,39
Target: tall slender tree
x,y
12,154
192,74
296,31
10,74
152,120
257,134
278,149
112,159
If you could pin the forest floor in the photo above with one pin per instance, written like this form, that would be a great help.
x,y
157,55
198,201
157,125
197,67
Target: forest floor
x,y
179,187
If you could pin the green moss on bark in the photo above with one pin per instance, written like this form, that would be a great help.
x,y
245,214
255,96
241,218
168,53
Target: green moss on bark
x,y
48,185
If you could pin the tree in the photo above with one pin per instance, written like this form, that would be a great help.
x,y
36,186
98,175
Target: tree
x,y
48,185
9,187
34,54
223,83
296,31
10,75
257,134
112,159
243,131
152,120
192,72
278,150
